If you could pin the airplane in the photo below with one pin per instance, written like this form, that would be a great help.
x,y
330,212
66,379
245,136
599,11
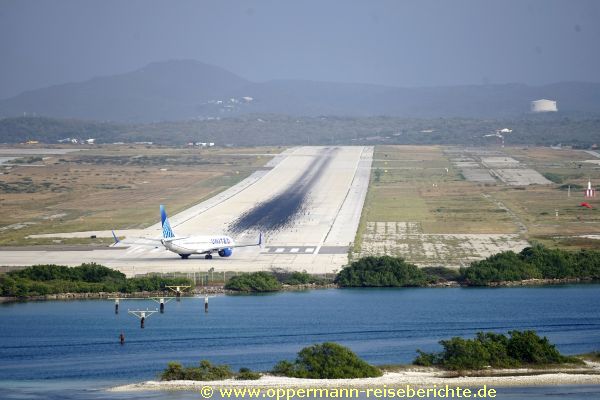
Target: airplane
x,y
186,246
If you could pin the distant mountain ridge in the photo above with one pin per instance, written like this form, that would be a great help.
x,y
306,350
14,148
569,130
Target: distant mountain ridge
x,y
187,89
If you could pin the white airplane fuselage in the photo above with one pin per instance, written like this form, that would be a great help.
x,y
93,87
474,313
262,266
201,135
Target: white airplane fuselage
x,y
198,244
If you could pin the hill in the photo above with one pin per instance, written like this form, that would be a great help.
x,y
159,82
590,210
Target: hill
x,y
160,91
186,89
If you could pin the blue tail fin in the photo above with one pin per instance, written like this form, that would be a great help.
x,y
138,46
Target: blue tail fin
x,y
166,227
116,238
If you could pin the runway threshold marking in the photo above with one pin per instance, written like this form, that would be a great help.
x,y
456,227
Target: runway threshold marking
x,y
306,250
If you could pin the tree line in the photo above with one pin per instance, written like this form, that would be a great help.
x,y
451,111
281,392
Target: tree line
x,y
272,281
40,280
535,262
281,130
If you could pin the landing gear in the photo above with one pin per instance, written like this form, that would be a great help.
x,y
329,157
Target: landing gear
x,y
184,256
208,256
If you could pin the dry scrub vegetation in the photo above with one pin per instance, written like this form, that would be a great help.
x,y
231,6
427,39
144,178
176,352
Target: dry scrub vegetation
x,y
114,186
457,220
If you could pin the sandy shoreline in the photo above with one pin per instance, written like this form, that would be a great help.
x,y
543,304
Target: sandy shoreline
x,y
418,377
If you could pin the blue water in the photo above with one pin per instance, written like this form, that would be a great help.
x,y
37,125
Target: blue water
x,y
62,344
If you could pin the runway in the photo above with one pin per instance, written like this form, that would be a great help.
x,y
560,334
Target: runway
x,y
307,201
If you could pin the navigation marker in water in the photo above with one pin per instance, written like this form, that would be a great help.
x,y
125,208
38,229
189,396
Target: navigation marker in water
x,y
162,302
142,314
178,290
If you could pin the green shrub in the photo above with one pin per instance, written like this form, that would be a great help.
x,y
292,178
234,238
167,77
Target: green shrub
x,y
440,274
496,346
536,261
382,271
463,354
204,372
207,372
494,350
552,263
299,278
152,283
283,368
91,277
246,374
174,372
327,361
254,282
505,266
528,348
426,359
92,272
587,264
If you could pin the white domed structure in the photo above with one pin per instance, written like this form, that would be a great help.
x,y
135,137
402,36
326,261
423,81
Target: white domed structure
x,y
543,105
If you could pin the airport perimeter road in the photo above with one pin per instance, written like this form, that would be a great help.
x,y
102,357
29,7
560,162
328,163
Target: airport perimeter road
x,y
308,206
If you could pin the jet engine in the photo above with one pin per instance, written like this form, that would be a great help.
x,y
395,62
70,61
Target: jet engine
x,y
226,252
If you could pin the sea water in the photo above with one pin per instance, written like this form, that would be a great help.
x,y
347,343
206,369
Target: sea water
x,y
71,348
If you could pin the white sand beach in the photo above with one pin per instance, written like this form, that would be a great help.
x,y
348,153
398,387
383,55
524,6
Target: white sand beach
x,y
417,376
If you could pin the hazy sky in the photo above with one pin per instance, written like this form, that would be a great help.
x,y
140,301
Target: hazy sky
x,y
400,43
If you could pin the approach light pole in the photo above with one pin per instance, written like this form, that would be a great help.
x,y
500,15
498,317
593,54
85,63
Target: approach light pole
x,y
142,315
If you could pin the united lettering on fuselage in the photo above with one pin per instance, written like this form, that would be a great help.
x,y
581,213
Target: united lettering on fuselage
x,y
224,240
